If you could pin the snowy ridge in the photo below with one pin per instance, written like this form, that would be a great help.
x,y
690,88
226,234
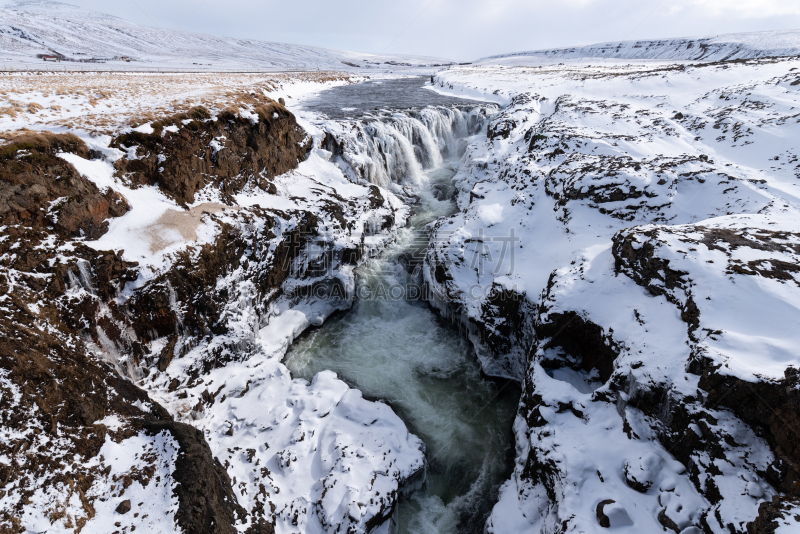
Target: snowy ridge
x,y
712,48
32,27
656,282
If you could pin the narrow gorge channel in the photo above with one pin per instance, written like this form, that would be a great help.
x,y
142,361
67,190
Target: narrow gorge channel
x,y
392,346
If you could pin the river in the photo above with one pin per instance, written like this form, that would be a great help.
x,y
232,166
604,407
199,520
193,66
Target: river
x,y
392,346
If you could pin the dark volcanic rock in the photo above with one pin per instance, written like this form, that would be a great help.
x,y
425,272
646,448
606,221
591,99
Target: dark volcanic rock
x,y
784,508
64,389
124,507
229,152
579,337
602,518
39,189
207,502
771,407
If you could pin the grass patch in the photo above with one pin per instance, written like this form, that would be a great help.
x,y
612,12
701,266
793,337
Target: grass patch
x,y
43,142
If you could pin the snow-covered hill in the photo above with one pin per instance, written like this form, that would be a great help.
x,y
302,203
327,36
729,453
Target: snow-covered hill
x,y
713,48
32,27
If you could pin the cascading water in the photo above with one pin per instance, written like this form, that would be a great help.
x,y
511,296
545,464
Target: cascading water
x,y
392,150
392,346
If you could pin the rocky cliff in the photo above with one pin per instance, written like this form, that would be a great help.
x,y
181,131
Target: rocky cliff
x,y
62,403
184,153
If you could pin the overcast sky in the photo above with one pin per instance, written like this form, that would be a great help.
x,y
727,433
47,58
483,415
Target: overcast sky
x,y
455,29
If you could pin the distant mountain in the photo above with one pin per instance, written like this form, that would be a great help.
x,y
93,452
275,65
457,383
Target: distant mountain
x,y
41,27
715,48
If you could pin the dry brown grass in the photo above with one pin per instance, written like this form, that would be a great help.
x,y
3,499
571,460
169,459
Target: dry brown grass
x,y
105,103
11,135
143,118
13,109
43,142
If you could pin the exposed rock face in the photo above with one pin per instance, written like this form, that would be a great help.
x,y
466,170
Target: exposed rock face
x,y
208,503
780,512
58,398
772,409
592,348
763,414
186,152
754,248
41,190
193,277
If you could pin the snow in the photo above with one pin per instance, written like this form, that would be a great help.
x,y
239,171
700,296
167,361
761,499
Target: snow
x,y
247,114
580,380
694,165
788,523
491,214
754,314
308,443
153,502
161,502
146,128
712,48
138,232
31,27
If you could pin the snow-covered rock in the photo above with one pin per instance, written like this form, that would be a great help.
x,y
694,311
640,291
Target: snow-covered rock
x,y
641,280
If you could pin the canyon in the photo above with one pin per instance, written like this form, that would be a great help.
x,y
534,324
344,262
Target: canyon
x,y
594,329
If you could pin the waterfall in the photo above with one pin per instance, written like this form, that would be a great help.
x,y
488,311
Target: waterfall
x,y
389,148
